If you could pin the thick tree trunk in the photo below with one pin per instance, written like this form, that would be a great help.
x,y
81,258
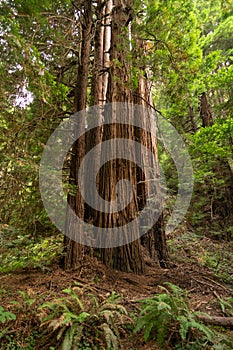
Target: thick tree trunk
x,y
111,82
128,257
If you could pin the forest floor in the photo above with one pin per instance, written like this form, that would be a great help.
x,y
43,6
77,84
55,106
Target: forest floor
x,y
204,287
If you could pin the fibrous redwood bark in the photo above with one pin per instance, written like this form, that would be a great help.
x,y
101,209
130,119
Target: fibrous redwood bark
x,y
111,82
73,250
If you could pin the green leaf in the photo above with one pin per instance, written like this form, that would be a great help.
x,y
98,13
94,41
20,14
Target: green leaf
x,y
202,328
184,326
162,305
68,339
74,296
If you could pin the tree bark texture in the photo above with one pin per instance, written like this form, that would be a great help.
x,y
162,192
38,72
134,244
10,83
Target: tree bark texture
x,y
73,250
105,35
205,113
217,321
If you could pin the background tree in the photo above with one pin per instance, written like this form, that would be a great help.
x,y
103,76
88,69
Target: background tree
x,y
201,96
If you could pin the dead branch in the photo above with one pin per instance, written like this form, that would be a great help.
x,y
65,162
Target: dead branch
x,y
217,320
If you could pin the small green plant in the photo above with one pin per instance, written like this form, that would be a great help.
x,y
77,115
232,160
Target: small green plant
x,y
84,321
226,306
6,315
19,250
169,313
24,307
23,334
10,344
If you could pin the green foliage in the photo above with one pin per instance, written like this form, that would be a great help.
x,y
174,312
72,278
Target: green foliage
x,y
79,321
33,102
22,334
211,151
166,312
215,255
210,146
174,55
212,143
26,304
19,250
6,315
11,343
226,306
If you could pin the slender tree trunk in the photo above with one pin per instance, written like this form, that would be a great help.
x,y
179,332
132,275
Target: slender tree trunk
x,y
154,240
192,120
73,250
205,113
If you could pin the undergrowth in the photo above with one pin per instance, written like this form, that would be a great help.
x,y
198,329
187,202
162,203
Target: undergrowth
x,y
168,319
18,250
214,255
81,321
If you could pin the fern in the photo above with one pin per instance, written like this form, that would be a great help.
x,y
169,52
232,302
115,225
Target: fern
x,y
67,342
164,311
110,337
226,306
74,296
6,315
184,326
76,318
202,328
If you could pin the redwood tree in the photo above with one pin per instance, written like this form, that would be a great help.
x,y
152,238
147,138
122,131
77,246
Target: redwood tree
x,y
107,56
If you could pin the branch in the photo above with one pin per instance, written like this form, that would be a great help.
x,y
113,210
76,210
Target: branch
x,y
148,103
217,320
